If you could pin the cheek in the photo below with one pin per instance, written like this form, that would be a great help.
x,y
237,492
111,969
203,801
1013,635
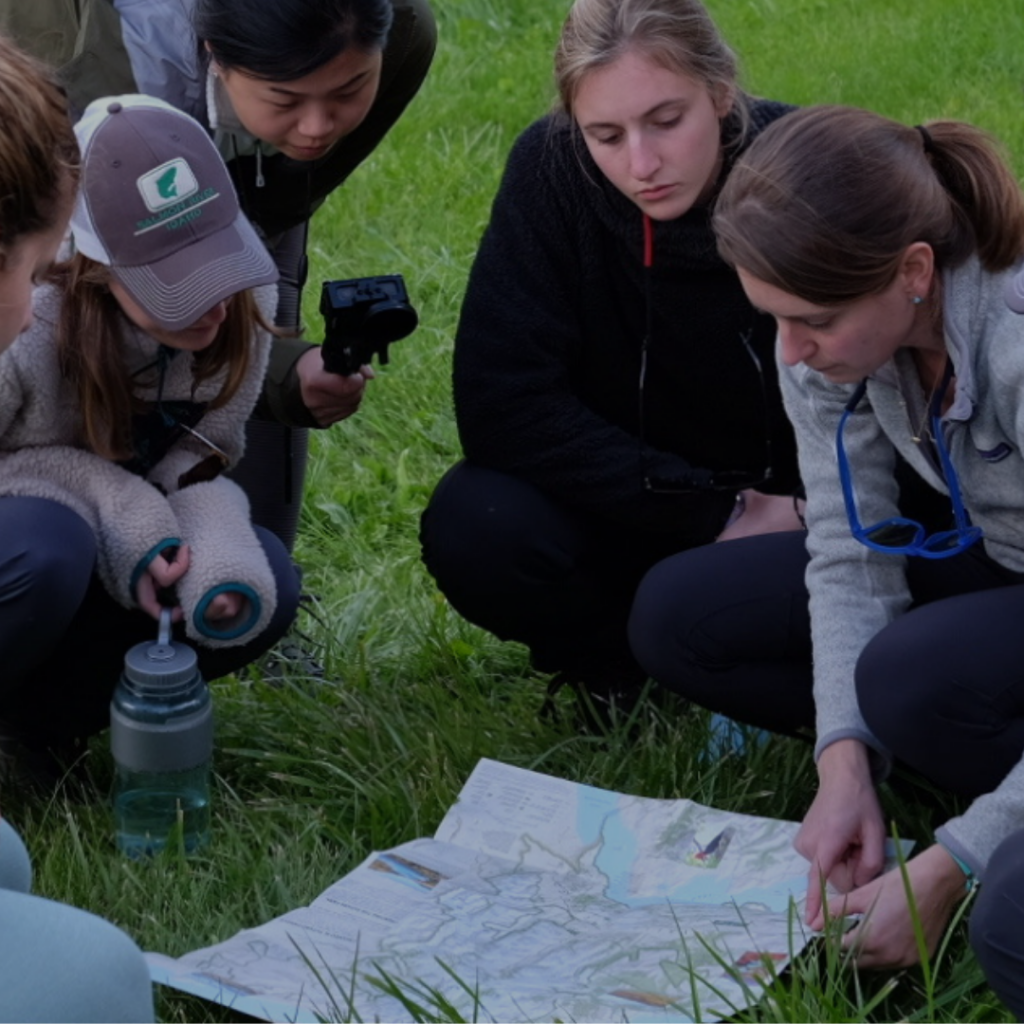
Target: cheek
x,y
264,121
353,114
701,145
605,159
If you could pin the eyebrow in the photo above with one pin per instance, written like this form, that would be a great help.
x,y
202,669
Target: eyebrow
x,y
657,108
294,93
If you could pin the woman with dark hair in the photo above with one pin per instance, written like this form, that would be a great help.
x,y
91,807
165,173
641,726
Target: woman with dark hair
x,y
614,390
889,257
296,94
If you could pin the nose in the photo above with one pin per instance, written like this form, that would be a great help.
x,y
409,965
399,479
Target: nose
x,y
643,159
214,315
316,122
796,342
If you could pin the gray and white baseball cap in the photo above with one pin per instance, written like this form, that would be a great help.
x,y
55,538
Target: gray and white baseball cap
x,y
157,206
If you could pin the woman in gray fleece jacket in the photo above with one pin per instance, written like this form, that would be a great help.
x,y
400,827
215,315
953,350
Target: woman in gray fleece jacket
x,y
124,403
887,256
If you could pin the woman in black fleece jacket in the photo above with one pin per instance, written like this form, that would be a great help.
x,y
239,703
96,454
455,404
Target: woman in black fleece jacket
x,y
615,392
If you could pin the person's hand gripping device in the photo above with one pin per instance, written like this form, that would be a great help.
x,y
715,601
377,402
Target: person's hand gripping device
x,y
362,317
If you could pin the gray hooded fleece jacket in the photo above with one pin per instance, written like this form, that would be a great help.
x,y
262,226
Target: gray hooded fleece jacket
x,y
855,591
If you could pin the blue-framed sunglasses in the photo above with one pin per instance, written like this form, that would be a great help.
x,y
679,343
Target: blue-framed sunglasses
x,y
897,535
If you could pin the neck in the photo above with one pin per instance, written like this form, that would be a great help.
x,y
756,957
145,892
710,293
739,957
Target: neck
x,y
931,365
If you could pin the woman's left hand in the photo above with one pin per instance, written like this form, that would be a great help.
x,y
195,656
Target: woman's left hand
x,y
885,938
763,513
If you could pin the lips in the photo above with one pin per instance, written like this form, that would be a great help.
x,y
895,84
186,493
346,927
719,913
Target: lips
x,y
308,152
650,195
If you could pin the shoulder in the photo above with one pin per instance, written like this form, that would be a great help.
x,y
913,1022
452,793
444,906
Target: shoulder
x,y
762,113
165,58
41,338
975,311
543,148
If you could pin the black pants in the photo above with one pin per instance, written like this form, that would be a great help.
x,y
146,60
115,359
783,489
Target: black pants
x,y
525,568
727,626
63,638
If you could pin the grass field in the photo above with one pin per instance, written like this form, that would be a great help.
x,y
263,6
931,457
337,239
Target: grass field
x,y
311,777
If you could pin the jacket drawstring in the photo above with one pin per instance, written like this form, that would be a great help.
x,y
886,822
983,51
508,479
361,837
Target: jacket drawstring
x,y
648,318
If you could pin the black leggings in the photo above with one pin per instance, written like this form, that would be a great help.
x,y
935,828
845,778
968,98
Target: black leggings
x,y
512,560
63,638
727,626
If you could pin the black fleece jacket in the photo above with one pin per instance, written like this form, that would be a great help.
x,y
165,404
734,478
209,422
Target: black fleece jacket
x,y
548,349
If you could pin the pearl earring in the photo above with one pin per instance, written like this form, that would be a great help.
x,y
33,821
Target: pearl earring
x,y
916,300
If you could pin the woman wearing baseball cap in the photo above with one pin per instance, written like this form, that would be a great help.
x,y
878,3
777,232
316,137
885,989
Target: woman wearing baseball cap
x,y
125,402
102,974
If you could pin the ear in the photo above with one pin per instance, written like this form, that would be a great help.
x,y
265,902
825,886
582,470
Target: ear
x,y
723,96
215,69
916,271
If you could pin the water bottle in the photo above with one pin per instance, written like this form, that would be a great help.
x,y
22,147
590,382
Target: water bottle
x,y
161,736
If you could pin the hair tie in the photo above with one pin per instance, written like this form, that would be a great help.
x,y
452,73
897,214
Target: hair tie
x,y
926,138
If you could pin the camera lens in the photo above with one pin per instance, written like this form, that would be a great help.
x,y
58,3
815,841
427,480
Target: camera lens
x,y
389,321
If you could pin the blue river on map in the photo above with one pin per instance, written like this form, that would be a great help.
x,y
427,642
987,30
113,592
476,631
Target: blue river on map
x,y
598,819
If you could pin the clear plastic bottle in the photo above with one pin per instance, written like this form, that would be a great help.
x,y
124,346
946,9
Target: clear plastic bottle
x,y
161,736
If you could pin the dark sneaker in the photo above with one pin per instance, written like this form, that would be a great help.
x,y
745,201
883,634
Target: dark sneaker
x,y
603,700
293,658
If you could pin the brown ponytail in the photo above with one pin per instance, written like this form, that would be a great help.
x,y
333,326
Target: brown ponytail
x,y
827,199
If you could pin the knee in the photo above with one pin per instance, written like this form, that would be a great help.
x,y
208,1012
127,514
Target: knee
x,y
896,692
47,556
662,618
997,923
104,976
485,531
15,866
287,581
114,979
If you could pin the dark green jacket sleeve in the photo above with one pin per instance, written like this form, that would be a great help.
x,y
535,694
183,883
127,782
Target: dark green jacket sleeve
x,y
282,398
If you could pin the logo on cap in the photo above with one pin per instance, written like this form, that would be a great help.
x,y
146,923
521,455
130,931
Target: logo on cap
x,y
167,184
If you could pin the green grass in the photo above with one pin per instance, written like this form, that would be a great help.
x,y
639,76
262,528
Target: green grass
x,y
311,778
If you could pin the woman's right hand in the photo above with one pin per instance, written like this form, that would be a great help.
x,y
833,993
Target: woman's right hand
x,y
843,833
160,574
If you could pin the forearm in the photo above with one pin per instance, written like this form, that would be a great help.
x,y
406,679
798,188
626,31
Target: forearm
x,y
281,399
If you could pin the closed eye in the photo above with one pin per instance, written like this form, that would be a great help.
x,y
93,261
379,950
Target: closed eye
x,y
605,138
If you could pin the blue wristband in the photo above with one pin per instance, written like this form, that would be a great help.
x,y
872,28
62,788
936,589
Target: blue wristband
x,y
970,878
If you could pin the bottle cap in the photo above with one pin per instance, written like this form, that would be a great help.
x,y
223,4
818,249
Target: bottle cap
x,y
161,664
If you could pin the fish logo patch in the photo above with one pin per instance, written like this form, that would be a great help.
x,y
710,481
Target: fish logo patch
x,y
167,184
